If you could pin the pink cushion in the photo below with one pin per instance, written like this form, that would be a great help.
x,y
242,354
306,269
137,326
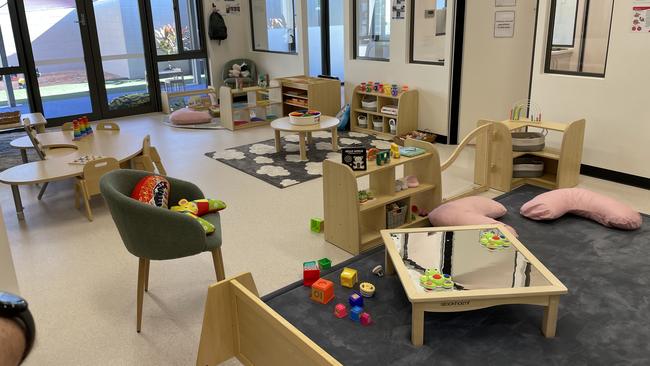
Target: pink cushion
x,y
186,116
474,210
602,209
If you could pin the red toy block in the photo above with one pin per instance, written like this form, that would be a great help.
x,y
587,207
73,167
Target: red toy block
x,y
310,273
365,319
340,311
322,291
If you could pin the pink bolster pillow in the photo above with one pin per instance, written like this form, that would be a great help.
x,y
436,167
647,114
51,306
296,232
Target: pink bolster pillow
x,y
594,206
187,116
473,210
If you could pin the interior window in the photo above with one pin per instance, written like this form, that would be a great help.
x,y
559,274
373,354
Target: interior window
x,y
372,29
428,31
273,23
579,37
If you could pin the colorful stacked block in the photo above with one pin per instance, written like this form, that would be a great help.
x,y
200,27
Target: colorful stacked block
x,y
310,273
355,313
355,300
348,277
317,225
322,291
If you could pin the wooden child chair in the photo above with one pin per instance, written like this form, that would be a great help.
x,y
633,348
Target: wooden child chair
x,y
149,160
108,126
87,185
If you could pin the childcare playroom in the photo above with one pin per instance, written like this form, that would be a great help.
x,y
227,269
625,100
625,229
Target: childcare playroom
x,y
324,182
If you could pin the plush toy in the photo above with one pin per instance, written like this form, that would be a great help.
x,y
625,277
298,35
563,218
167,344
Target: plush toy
x,y
238,71
198,208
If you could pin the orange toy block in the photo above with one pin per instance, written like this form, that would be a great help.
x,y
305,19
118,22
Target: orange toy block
x,y
322,291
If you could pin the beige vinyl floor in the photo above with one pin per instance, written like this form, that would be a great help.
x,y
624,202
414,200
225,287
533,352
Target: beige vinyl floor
x,y
81,282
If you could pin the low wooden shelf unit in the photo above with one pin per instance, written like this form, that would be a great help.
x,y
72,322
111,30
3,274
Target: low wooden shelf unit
x,y
406,118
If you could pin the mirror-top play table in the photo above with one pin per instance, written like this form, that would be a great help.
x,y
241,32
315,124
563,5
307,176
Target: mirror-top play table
x,y
449,269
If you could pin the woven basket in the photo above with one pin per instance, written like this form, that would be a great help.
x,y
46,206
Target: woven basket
x,y
396,219
9,118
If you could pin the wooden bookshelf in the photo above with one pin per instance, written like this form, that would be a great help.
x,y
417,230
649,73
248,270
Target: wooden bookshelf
x,y
353,226
561,166
304,92
262,105
406,117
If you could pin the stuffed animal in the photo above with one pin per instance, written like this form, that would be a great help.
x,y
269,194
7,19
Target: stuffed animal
x,y
239,71
198,208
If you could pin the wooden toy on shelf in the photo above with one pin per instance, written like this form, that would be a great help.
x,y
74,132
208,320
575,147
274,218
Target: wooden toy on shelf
x,y
348,277
322,291
310,273
561,166
368,103
354,227
262,106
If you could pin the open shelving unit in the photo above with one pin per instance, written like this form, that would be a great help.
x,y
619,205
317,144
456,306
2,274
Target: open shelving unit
x,y
406,117
354,226
304,92
561,166
261,106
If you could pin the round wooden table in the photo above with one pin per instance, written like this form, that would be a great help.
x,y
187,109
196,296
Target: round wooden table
x,y
115,144
304,132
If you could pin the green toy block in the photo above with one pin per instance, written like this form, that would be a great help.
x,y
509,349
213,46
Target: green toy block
x,y
324,263
317,225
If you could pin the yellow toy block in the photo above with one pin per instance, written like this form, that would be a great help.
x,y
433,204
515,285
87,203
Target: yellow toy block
x,y
348,277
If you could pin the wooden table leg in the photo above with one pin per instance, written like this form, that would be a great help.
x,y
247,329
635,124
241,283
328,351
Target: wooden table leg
x,y
335,139
18,202
549,322
278,143
23,156
303,148
417,325
389,267
309,140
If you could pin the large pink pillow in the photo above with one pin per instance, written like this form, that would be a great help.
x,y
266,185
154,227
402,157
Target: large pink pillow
x,y
602,209
473,210
187,116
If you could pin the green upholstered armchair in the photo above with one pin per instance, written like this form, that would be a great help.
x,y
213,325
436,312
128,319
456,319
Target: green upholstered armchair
x,y
150,232
230,81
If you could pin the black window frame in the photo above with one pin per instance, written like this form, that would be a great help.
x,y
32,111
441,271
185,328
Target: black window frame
x,y
549,44
295,34
412,59
355,51
575,25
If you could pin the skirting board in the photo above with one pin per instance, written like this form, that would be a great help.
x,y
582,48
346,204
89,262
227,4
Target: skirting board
x,y
614,176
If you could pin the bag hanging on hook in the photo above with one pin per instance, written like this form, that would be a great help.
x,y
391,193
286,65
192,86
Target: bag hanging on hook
x,y
217,29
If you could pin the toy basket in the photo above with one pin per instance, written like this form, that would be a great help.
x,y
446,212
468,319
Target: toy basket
x,y
378,124
369,103
396,218
527,167
9,118
528,141
417,135
362,121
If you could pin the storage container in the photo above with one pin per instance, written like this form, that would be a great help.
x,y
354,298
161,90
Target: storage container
x,y
527,167
396,218
528,141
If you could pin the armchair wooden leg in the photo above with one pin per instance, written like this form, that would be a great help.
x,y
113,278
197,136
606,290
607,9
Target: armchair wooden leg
x,y
146,275
141,272
217,258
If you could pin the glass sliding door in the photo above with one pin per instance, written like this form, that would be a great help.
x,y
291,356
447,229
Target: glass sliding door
x,y
59,56
125,88
13,83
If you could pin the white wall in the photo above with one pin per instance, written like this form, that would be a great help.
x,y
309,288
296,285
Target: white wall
x,y
431,81
617,135
496,71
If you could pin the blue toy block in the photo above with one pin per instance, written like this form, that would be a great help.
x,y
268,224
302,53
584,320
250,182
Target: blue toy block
x,y
355,313
356,300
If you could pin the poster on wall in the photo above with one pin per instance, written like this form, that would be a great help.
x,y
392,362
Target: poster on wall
x,y
641,19
500,3
504,24
398,9
233,7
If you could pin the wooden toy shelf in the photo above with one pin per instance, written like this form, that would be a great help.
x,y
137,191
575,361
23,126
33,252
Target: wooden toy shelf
x,y
354,226
262,106
406,117
304,92
561,166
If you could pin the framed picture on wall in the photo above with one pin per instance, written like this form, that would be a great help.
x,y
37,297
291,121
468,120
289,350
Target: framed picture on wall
x,y
501,3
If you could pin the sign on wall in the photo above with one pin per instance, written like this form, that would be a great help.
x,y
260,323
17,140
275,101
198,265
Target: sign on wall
x,y
641,19
504,24
398,9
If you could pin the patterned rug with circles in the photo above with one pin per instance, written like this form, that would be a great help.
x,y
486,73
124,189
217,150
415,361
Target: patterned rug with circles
x,y
284,169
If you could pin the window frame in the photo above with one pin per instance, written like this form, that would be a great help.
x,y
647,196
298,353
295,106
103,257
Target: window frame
x,y
295,32
575,26
412,59
549,43
355,44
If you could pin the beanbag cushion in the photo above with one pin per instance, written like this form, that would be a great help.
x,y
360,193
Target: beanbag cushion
x,y
474,210
152,189
591,205
187,116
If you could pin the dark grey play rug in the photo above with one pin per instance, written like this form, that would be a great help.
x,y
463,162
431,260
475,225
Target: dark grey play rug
x,y
284,169
10,156
603,320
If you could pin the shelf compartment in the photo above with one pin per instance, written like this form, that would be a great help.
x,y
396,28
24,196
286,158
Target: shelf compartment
x,y
547,152
383,95
361,110
295,95
383,200
373,168
296,104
